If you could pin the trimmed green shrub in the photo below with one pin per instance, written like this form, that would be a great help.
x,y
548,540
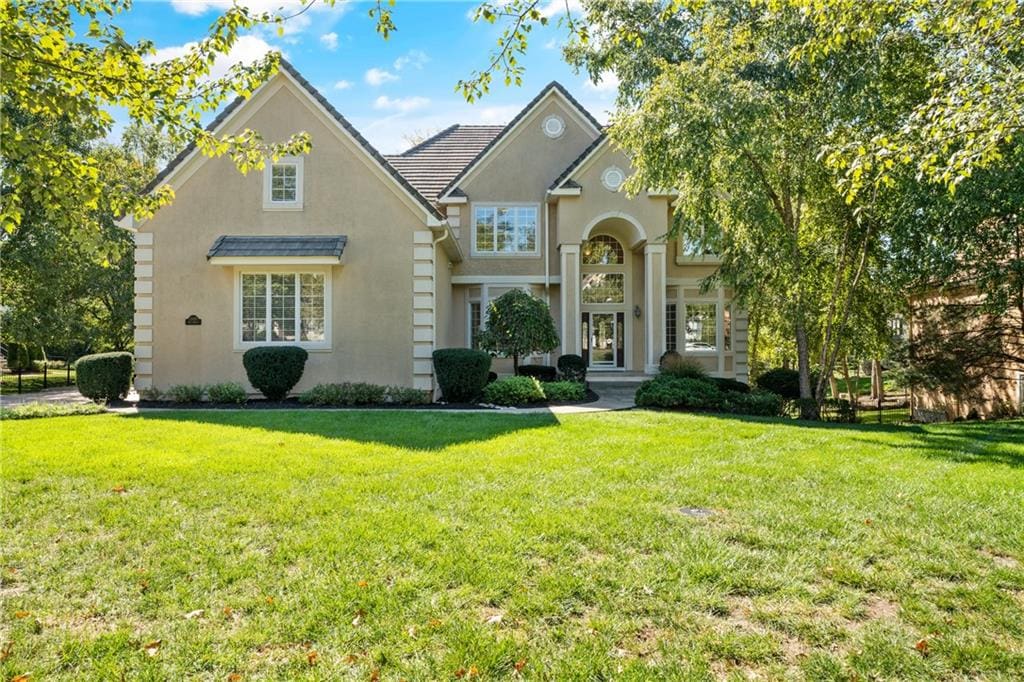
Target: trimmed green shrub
x,y
186,393
781,381
757,403
461,373
541,372
669,358
344,394
566,391
514,391
403,395
572,368
104,376
730,385
684,369
671,391
40,410
150,393
274,370
228,392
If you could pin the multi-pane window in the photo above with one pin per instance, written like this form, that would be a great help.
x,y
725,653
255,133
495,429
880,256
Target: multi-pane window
x,y
284,182
505,229
604,287
701,327
670,326
278,307
475,323
602,250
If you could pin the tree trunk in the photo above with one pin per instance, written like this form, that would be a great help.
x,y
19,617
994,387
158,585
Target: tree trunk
x,y
808,406
515,365
849,383
877,385
833,385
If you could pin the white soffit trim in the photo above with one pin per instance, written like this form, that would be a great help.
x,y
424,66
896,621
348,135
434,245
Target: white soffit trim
x,y
504,279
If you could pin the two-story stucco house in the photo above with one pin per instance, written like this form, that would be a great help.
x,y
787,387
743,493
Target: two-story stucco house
x,y
372,262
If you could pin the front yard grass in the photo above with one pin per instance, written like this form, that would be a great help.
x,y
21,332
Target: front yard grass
x,y
318,545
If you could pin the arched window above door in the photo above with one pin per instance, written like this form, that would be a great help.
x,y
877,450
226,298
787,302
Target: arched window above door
x,y
602,250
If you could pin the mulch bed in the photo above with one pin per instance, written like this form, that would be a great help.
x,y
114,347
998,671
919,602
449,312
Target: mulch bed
x,y
294,404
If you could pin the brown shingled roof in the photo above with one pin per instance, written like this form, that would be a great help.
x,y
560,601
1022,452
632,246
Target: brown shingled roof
x,y
433,163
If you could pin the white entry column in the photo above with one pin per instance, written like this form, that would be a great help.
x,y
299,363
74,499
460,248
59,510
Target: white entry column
x,y
654,303
570,298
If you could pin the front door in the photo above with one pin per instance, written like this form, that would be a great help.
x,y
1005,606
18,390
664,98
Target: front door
x,y
603,346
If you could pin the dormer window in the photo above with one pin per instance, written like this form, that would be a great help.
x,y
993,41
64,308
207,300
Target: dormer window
x,y
282,184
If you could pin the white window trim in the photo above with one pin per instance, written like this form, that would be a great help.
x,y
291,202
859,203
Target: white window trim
x,y
268,174
503,254
469,319
317,346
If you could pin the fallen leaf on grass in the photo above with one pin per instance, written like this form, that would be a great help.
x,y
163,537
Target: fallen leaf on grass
x,y
460,673
520,664
234,677
21,678
311,657
358,620
363,583
228,610
375,675
270,600
119,489
351,659
868,522
5,653
194,614
434,623
494,620
21,614
143,585
411,631
922,646
152,648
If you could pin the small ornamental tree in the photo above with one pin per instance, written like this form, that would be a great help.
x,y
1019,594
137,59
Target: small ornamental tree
x,y
518,324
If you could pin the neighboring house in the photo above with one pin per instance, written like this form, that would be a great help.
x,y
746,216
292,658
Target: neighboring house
x,y
373,262
989,350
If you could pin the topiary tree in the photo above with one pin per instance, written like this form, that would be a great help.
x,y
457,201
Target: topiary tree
x,y
274,370
518,324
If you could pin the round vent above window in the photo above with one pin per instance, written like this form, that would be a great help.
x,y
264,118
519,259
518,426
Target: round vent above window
x,y
612,178
554,126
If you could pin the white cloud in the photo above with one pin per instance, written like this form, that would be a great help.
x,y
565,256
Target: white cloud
x,y
387,132
377,77
607,84
343,85
329,40
246,50
414,58
557,7
400,104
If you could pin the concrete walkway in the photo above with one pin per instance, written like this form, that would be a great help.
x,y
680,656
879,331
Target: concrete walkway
x,y
61,394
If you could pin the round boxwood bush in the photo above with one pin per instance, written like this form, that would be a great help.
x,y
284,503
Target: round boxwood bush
x,y
514,391
680,393
572,367
104,376
781,381
461,373
730,385
541,372
274,370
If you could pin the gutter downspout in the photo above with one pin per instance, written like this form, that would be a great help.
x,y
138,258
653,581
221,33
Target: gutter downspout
x,y
547,263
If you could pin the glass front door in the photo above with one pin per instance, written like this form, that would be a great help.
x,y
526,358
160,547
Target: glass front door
x,y
602,340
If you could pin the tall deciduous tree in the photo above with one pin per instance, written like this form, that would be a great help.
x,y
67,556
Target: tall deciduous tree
x,y
518,324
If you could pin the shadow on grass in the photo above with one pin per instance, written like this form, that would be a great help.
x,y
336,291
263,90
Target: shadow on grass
x,y
1000,442
410,430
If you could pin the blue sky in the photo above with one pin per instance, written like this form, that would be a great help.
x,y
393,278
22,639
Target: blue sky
x,y
387,89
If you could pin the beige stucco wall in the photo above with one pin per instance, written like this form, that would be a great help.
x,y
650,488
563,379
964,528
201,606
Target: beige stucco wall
x,y
372,291
519,171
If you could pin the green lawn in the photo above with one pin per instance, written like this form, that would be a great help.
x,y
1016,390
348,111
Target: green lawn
x,y
326,545
31,382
